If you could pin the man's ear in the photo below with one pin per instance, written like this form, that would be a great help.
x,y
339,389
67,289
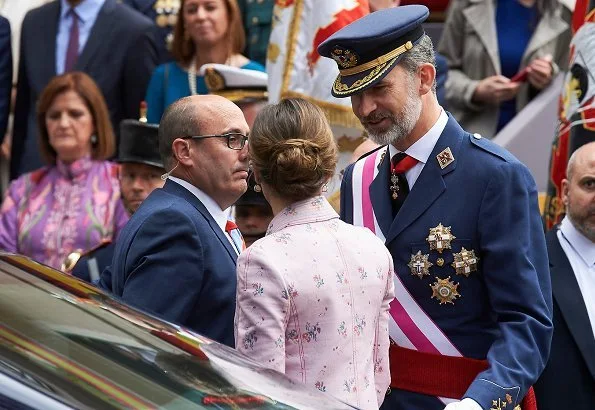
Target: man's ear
x,y
565,188
181,151
427,74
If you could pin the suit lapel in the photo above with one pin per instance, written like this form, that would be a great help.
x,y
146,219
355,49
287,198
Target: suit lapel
x,y
49,30
380,195
430,184
566,290
549,27
178,190
99,34
480,16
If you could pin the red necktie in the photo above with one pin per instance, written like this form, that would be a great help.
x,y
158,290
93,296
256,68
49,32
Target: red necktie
x,y
232,230
399,187
72,52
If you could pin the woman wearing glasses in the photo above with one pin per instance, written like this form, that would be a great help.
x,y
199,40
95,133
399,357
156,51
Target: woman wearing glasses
x,y
313,294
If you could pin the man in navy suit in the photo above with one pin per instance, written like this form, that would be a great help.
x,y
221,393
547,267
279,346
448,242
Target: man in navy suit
x,y
571,248
471,321
176,257
116,46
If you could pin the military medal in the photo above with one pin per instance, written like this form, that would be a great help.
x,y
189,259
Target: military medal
x,y
172,19
445,291
445,158
420,265
394,187
440,238
465,262
161,20
440,262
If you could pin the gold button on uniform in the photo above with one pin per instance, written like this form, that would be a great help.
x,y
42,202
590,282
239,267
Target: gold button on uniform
x,y
254,20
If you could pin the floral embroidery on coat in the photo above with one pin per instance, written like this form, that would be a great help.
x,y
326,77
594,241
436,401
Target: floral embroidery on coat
x,y
322,314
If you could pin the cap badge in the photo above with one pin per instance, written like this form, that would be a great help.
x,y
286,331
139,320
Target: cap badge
x,y
445,290
214,80
345,58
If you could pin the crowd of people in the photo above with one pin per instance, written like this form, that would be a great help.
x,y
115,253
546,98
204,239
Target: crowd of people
x,y
170,182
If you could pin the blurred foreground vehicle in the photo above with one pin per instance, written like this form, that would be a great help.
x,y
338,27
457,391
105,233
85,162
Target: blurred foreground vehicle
x,y
65,344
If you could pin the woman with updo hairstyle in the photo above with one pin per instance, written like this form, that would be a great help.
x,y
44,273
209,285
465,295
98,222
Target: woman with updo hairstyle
x,y
313,294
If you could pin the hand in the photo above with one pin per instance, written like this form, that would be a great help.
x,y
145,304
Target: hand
x,y
465,404
5,147
382,4
539,73
495,89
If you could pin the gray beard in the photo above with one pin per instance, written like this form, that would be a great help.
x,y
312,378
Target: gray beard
x,y
402,124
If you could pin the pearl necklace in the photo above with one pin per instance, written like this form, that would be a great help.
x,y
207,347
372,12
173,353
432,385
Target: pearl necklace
x,y
192,74
192,77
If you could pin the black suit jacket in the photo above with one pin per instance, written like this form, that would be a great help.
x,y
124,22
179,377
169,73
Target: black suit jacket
x,y
120,55
5,75
568,381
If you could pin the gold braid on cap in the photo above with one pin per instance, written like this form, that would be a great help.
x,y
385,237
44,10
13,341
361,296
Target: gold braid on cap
x,y
377,61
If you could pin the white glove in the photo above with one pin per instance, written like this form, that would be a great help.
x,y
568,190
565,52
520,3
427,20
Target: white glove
x,y
465,404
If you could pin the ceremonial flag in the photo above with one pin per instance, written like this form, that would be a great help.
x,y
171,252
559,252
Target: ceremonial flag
x,y
296,69
577,108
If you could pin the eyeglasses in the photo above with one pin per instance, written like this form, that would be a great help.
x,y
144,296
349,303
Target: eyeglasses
x,y
235,140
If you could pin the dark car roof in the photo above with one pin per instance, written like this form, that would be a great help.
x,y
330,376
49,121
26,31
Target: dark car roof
x,y
83,348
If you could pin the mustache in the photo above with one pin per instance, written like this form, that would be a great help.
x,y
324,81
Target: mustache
x,y
376,117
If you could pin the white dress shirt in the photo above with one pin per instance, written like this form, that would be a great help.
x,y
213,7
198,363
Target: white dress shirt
x,y
218,214
580,251
87,12
422,148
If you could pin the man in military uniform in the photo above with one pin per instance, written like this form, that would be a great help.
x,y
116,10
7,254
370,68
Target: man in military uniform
x,y
258,18
253,213
140,173
165,14
471,322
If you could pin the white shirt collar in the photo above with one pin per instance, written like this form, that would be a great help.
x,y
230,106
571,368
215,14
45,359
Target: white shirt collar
x,y
579,242
218,214
423,147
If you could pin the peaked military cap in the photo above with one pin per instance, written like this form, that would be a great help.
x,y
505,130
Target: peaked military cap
x,y
139,143
236,84
367,49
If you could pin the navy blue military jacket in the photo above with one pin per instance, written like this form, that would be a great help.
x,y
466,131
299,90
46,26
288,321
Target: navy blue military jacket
x,y
504,312
173,260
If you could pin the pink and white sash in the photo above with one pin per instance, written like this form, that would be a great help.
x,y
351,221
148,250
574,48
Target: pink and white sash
x,y
409,325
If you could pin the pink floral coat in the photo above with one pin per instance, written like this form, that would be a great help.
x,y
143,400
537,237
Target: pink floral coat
x,y
312,302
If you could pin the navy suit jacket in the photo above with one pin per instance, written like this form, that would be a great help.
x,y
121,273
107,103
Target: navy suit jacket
x,y
120,55
568,381
489,199
173,260
5,75
101,256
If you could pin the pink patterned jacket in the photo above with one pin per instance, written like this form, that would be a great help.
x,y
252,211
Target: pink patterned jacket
x,y
312,302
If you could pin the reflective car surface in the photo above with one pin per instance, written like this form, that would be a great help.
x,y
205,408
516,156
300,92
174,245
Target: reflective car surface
x,y
65,344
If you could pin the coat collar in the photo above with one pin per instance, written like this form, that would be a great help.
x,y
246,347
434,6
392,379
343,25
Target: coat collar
x,y
311,210
481,16
550,26
178,190
565,290
428,187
